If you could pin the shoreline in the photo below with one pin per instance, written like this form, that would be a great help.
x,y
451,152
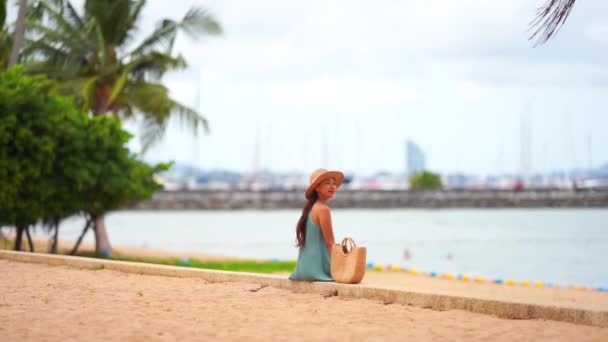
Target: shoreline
x,y
383,271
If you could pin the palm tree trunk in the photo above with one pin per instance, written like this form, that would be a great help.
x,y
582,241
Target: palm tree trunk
x,y
19,32
102,243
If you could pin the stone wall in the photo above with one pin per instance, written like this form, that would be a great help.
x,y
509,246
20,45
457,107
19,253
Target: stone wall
x,y
237,199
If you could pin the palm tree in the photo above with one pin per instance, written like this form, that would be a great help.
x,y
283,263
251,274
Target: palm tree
x,y
90,55
550,18
19,31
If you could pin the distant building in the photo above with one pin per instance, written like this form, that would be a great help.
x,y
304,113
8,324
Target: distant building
x,y
414,158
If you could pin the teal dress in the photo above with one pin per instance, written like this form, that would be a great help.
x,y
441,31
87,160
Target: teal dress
x,y
314,263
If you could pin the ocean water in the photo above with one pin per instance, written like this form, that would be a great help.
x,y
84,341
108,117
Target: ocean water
x,y
559,246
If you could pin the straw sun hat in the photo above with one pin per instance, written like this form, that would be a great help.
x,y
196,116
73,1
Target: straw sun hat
x,y
319,175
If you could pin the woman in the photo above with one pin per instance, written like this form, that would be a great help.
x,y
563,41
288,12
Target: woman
x,y
314,233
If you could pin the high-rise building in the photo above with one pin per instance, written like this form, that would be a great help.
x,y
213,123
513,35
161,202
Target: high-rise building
x,y
414,158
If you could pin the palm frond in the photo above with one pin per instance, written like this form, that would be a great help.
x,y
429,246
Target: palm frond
x,y
131,24
86,90
44,49
190,118
62,63
113,17
198,22
549,19
76,42
74,16
118,87
154,65
35,11
153,102
102,52
151,133
164,34
57,19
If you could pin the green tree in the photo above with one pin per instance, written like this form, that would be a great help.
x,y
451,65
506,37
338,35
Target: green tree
x,y
56,161
425,180
29,122
117,177
90,55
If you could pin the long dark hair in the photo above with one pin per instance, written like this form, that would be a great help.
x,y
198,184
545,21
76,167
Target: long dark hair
x,y
301,226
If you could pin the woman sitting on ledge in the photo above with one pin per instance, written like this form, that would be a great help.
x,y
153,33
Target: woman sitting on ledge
x,y
314,232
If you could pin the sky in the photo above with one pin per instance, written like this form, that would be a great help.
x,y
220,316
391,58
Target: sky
x,y
296,85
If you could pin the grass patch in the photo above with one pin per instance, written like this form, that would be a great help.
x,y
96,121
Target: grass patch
x,y
229,265
9,244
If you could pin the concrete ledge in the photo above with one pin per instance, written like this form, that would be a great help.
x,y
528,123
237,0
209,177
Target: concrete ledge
x,y
501,309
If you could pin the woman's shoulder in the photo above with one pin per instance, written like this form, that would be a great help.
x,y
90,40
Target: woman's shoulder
x,y
318,210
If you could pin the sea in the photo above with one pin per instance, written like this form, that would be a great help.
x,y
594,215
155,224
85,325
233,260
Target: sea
x,y
556,246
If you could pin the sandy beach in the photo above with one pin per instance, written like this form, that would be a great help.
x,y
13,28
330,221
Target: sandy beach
x,y
53,303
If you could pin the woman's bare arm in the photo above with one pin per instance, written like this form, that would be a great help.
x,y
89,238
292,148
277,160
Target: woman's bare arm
x,y
326,227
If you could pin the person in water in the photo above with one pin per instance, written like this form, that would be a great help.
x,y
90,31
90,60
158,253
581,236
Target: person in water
x,y
314,232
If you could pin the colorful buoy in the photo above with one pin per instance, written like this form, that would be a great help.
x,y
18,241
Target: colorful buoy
x,y
464,277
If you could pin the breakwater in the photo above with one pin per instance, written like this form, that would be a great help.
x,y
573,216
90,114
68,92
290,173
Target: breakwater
x,y
242,199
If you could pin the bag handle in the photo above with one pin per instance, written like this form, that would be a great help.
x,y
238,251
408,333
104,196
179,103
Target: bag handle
x,y
345,243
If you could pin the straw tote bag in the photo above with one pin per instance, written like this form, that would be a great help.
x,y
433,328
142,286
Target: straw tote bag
x,y
348,262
